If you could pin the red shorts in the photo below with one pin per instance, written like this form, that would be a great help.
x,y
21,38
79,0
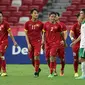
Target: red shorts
x,y
51,50
61,51
75,51
35,50
3,47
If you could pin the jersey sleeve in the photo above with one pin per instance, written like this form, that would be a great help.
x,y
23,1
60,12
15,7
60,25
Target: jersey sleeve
x,y
26,27
60,29
44,27
64,27
7,26
73,28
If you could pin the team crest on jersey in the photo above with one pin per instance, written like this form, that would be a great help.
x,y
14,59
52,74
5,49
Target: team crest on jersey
x,y
37,25
55,27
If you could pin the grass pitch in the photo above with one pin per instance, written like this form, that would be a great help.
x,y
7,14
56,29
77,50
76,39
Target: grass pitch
x,y
23,75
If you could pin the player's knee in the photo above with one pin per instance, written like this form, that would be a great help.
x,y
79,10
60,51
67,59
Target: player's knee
x,y
62,60
0,54
36,57
2,57
75,60
52,59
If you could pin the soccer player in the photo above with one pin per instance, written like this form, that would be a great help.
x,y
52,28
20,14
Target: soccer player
x,y
74,34
4,30
51,28
33,31
61,48
82,44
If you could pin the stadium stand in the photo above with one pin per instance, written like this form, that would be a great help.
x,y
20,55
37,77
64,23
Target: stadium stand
x,y
17,11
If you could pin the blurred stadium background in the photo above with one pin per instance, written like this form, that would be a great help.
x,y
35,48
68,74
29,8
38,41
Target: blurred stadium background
x,y
16,12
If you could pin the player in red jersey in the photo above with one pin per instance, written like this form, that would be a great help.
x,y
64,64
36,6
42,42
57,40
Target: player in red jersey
x,y
51,29
74,34
33,30
61,52
4,30
61,49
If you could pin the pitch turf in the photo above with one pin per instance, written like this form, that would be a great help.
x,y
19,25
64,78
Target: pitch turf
x,y
23,75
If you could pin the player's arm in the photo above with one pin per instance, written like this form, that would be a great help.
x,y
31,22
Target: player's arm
x,y
75,41
63,39
63,34
43,38
64,31
12,37
27,39
72,35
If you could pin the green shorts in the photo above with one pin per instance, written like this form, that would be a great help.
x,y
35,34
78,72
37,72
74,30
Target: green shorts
x,y
82,53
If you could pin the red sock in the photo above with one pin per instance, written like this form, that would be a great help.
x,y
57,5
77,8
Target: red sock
x,y
37,63
62,65
0,64
55,66
51,67
76,66
3,65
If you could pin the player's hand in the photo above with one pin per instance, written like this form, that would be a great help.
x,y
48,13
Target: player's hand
x,y
29,47
62,42
15,44
65,45
72,44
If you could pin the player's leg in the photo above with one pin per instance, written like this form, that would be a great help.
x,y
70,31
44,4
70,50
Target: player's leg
x,y
0,65
82,60
61,54
3,48
55,71
47,55
37,49
52,59
31,55
3,65
75,55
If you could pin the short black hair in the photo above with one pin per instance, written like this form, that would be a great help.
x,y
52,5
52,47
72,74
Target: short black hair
x,y
52,13
33,10
1,12
83,10
57,13
77,15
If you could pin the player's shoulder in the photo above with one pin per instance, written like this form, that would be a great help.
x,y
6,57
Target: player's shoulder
x,y
58,24
47,22
28,21
39,22
62,23
5,22
76,24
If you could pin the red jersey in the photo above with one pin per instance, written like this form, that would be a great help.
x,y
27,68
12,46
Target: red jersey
x,y
34,30
51,32
63,27
76,29
4,27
